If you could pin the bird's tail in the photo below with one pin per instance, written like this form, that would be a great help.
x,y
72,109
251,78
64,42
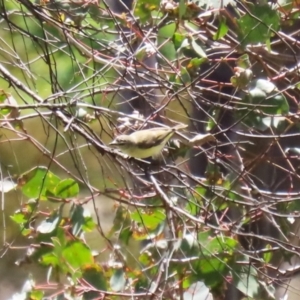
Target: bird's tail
x,y
179,126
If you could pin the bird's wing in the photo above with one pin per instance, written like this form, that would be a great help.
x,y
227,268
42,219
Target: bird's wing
x,y
148,139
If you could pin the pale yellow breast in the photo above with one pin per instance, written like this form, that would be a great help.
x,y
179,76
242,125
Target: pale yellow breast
x,y
144,153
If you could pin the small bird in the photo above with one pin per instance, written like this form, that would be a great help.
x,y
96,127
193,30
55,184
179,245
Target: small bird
x,y
145,143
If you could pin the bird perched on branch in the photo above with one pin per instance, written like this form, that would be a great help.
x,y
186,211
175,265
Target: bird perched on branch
x,y
145,143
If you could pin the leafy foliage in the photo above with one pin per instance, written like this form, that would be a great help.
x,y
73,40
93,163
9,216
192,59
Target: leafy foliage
x,y
189,225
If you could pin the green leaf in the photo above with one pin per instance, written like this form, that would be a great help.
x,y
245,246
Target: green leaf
x,y
189,245
272,121
50,224
95,12
122,224
142,232
70,257
216,245
197,48
185,76
142,283
37,182
168,51
265,95
8,99
145,258
281,103
256,28
19,217
88,224
81,220
211,270
93,274
178,39
182,9
212,122
165,39
193,67
293,206
222,29
197,290
143,9
50,259
118,280
34,295
150,219
189,241
246,280
221,245
243,61
267,256
125,235
266,98
292,151
204,237
264,85
66,188
77,254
